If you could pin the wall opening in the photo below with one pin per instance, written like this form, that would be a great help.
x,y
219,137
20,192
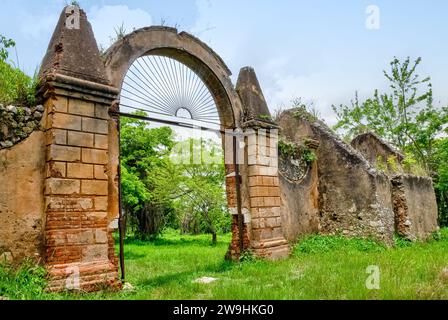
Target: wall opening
x,y
172,147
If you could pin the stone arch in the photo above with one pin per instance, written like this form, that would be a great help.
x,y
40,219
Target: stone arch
x,y
81,190
185,48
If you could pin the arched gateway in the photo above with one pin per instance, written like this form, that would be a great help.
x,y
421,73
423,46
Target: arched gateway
x,y
81,91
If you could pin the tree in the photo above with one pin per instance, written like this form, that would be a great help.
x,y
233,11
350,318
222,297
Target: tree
x,y
145,189
405,117
201,205
163,188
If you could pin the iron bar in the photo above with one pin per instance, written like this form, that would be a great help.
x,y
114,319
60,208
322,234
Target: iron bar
x,y
121,220
238,196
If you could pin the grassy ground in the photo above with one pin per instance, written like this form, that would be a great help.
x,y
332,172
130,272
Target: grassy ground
x,y
320,268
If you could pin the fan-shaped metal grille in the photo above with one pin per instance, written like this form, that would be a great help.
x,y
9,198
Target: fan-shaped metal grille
x,y
164,86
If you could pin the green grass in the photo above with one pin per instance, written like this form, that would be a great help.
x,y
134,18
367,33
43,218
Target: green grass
x,y
319,268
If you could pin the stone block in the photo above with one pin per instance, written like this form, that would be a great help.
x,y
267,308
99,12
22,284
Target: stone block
x,y
62,186
257,202
80,139
56,136
101,203
59,104
65,121
64,204
98,252
101,172
64,153
101,141
94,156
56,169
272,201
93,187
82,108
95,125
101,111
255,181
80,170
101,236
80,237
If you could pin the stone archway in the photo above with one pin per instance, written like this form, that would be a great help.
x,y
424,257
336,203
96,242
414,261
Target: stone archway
x,y
82,183
185,48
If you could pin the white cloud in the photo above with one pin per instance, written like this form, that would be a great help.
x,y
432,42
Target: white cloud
x,y
245,38
106,19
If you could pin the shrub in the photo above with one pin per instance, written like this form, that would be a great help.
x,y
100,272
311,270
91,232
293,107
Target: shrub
x,y
16,87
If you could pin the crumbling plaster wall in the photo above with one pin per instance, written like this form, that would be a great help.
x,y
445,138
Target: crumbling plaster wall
x,y
22,178
354,198
415,206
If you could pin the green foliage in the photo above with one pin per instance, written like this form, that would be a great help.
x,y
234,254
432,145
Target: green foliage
x,y
305,111
146,176
5,44
404,117
292,150
302,113
248,257
15,86
315,244
23,283
164,185
265,117
201,204
392,164
308,155
380,164
401,242
287,148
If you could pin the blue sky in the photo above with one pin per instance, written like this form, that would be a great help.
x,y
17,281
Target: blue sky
x,y
318,50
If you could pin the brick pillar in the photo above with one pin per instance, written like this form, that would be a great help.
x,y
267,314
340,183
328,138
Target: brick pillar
x,y
78,233
267,239
80,182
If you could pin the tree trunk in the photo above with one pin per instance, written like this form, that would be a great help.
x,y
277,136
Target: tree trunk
x,y
214,238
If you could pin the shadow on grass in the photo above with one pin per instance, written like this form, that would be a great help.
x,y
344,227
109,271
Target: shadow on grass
x,y
183,242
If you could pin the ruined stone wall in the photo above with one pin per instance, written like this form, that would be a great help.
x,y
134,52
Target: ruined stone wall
x,y
17,123
354,198
414,200
415,206
22,177
374,149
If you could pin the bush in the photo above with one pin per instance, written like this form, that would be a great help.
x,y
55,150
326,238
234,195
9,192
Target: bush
x,y
16,87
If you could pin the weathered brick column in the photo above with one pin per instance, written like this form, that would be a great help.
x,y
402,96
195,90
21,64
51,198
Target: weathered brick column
x,y
264,191
261,171
79,248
